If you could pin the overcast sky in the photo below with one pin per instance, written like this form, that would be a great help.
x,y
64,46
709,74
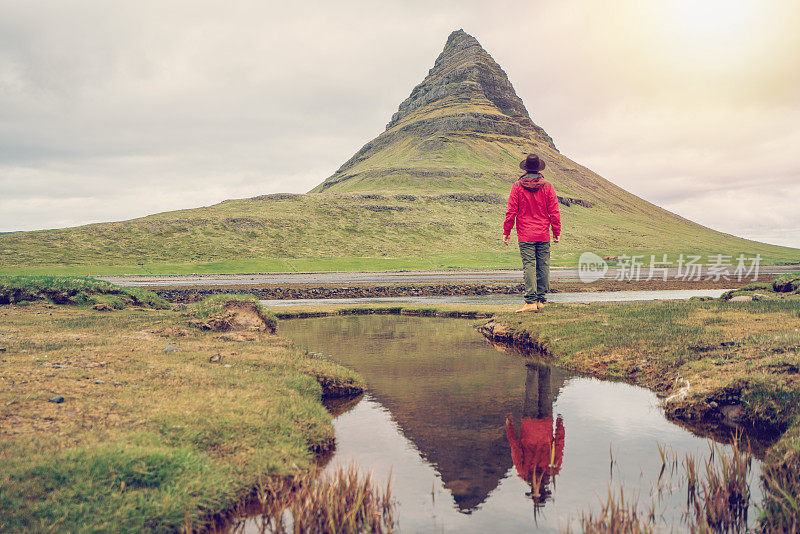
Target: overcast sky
x,y
114,110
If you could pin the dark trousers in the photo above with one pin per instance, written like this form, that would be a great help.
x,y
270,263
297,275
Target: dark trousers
x,y
538,393
536,268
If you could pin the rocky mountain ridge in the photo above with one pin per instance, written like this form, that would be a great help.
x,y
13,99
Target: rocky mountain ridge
x,y
465,94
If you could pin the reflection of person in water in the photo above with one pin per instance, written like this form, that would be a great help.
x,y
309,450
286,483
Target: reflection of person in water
x,y
537,452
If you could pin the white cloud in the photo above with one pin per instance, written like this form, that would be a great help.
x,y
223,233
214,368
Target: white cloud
x,y
111,110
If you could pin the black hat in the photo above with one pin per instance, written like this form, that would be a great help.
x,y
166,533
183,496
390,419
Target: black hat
x,y
532,163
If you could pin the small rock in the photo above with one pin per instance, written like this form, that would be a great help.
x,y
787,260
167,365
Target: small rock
x,y
3,349
99,381
171,348
215,358
58,399
759,296
117,383
226,365
101,307
742,298
733,413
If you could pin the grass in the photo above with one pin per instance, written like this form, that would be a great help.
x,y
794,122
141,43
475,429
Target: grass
x,y
351,232
782,285
78,291
781,506
147,439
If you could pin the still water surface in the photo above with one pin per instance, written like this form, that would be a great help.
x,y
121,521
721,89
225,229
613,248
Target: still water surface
x,y
435,417
510,300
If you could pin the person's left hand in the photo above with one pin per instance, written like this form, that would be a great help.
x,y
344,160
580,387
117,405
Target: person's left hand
x,y
506,239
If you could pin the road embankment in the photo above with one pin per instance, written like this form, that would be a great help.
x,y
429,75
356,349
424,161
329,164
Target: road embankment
x,y
312,291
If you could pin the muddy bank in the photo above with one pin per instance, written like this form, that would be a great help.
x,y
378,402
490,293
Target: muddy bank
x,y
309,291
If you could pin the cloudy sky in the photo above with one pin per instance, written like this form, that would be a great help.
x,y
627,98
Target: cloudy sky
x,y
114,110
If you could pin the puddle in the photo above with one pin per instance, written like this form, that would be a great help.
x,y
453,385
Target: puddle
x,y
435,415
510,300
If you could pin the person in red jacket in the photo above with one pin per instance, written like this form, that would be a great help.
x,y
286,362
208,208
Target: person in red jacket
x,y
533,205
537,451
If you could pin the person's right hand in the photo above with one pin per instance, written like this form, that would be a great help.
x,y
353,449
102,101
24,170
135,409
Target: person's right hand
x,y
556,238
506,239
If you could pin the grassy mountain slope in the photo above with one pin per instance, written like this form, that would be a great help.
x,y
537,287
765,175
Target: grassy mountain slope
x,y
427,193
344,232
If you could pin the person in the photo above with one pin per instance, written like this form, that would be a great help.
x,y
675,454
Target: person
x,y
533,206
538,449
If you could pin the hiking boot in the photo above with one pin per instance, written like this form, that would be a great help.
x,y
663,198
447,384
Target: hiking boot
x,y
528,307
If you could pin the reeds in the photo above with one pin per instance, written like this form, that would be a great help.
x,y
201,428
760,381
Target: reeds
x,y
717,494
616,515
340,501
721,498
781,481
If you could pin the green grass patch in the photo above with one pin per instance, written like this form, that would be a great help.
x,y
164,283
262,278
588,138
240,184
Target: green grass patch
x,y
787,283
118,486
79,291
770,400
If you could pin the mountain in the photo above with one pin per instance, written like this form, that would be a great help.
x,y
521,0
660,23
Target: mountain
x,y
460,127
428,192
465,128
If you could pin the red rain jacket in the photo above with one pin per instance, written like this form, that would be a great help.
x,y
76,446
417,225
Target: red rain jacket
x,y
532,449
535,212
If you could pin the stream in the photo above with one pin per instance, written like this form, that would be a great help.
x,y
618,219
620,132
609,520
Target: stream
x,y
435,418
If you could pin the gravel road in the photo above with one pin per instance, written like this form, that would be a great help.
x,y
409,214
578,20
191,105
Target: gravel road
x,y
384,278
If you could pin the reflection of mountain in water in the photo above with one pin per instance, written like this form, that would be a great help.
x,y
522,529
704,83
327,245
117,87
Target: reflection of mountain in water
x,y
446,388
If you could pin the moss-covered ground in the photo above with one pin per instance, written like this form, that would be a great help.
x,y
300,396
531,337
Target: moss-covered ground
x,y
131,420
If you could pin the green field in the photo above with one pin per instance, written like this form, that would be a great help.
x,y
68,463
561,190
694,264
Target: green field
x,y
347,232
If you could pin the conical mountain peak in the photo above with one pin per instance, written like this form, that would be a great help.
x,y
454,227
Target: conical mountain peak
x,y
458,41
462,119
466,72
